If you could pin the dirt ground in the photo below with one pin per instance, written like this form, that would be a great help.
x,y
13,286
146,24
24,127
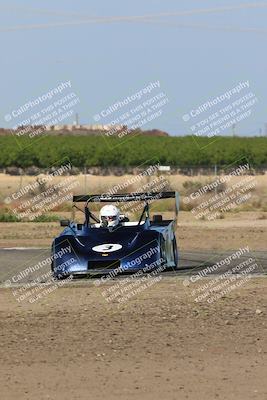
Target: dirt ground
x,y
234,231
74,345
159,345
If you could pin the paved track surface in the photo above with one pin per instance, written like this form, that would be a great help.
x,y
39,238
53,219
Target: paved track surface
x,y
13,261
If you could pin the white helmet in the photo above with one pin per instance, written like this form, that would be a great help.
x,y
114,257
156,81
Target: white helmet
x,y
109,216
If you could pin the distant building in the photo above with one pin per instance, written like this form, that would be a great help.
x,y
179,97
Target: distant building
x,y
95,127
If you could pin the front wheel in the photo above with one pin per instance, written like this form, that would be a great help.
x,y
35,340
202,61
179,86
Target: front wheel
x,y
59,276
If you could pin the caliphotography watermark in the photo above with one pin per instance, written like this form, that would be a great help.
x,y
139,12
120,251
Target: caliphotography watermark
x,y
145,265
125,117
221,114
222,194
46,193
149,180
45,113
37,279
211,283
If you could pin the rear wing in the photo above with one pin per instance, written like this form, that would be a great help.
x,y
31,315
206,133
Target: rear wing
x,y
146,196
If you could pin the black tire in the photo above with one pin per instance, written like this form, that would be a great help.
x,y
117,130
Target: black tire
x,y
58,276
162,251
175,253
61,277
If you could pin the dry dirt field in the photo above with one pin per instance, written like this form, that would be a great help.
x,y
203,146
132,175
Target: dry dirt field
x,y
235,230
248,225
159,345
10,183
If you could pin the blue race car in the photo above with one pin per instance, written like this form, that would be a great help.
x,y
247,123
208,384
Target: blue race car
x,y
112,244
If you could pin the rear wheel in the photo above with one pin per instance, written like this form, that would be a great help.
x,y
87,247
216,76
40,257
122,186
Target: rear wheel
x,y
175,253
163,251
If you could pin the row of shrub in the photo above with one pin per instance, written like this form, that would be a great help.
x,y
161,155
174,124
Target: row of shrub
x,y
100,151
8,216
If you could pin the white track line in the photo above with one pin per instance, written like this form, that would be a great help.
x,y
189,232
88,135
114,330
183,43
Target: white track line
x,y
24,248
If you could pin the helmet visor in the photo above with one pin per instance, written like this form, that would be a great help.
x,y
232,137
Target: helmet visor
x,y
109,218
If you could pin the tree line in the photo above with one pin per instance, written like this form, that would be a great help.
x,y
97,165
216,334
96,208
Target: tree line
x,y
82,151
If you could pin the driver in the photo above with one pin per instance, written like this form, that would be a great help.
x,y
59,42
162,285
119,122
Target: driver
x,y
109,216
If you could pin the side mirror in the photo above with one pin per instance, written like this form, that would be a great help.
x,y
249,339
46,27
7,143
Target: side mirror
x,y
65,222
123,218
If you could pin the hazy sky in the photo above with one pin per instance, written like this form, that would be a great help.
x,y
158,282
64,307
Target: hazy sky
x,y
197,54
